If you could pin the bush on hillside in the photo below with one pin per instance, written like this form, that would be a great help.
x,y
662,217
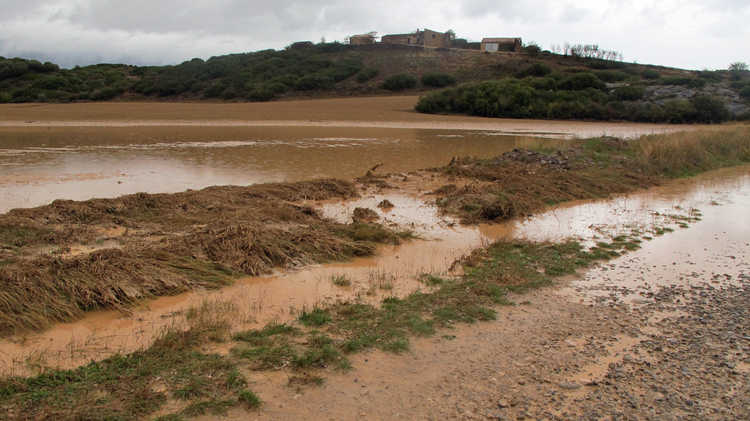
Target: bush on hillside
x,y
629,93
580,81
514,98
709,109
438,80
366,74
400,82
611,76
650,74
745,92
690,82
536,70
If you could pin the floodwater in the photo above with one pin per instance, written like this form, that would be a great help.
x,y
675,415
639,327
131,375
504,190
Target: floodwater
x,y
722,197
80,151
40,165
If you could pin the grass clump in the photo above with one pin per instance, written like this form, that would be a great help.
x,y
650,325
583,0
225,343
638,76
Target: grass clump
x,y
341,280
249,399
317,317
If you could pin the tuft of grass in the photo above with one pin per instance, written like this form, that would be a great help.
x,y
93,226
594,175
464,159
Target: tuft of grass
x,y
213,407
341,280
316,317
249,399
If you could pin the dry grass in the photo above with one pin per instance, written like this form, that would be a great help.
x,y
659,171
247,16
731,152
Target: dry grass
x,y
520,183
689,153
174,242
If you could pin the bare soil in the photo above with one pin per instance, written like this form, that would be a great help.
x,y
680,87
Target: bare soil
x,y
385,111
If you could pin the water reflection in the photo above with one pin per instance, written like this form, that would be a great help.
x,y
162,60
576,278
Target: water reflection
x,y
38,165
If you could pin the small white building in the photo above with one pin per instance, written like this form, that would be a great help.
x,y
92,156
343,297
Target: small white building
x,y
492,45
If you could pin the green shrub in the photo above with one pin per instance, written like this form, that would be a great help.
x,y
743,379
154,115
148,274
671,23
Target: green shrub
x,y
532,50
611,76
745,92
314,82
580,81
105,94
366,74
438,80
709,109
650,74
690,82
708,75
400,82
514,98
536,70
629,93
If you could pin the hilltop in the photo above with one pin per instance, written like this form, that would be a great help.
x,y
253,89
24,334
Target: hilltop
x,y
306,70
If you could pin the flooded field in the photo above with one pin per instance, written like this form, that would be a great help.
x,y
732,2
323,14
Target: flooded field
x,y
41,165
721,196
80,151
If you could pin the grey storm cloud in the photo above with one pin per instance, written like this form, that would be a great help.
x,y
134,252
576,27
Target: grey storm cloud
x,y
681,33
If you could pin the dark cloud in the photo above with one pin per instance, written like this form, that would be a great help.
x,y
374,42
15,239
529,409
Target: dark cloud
x,y
169,31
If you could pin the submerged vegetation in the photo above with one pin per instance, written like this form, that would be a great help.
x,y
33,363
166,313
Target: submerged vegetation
x,y
164,244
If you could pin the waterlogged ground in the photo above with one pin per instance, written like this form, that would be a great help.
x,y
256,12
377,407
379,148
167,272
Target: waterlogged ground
x,y
718,198
80,151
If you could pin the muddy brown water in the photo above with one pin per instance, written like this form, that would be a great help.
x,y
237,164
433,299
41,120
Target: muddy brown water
x,y
80,151
38,166
722,196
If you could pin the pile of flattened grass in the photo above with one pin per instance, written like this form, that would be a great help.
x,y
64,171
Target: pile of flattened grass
x,y
168,243
522,182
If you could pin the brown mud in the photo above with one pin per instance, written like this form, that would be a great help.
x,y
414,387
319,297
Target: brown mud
x,y
384,112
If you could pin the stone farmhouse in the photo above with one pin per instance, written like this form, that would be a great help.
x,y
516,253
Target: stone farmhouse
x,y
426,38
363,39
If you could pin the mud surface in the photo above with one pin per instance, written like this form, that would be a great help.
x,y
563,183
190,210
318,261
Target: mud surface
x,y
386,111
680,350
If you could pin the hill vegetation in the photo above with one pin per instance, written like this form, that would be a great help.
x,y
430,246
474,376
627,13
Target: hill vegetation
x,y
539,83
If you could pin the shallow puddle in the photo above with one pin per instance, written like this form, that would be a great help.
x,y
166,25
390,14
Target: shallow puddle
x,y
691,256
722,196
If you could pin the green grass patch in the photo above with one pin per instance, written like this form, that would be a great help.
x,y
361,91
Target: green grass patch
x,y
316,317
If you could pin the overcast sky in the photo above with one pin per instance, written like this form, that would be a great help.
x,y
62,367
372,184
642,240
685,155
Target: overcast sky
x,y
693,34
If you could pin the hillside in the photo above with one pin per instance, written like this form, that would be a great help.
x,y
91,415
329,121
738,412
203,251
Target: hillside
x,y
334,69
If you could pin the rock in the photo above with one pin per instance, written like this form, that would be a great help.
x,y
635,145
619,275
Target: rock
x,y
569,385
386,204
